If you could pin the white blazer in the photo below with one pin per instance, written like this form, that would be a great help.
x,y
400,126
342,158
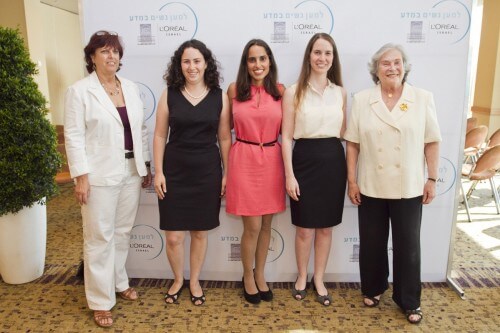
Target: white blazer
x,y
391,161
94,132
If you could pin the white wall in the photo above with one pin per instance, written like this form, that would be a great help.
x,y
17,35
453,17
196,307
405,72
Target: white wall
x,y
63,55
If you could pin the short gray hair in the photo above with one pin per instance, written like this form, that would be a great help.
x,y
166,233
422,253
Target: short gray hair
x,y
373,64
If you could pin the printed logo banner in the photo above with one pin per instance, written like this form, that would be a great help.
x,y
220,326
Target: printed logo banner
x,y
435,34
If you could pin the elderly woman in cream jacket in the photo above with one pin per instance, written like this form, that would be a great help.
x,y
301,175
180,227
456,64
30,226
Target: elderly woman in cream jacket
x,y
392,134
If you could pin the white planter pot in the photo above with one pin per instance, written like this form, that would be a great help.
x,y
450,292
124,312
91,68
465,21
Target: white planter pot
x,y
23,237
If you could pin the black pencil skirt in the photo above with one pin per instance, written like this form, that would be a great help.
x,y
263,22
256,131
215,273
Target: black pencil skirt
x,y
320,168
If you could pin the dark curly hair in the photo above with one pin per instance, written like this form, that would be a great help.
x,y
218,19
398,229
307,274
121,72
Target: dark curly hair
x,y
243,80
174,77
99,39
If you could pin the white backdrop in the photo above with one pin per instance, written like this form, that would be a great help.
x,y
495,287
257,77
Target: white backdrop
x,y
435,33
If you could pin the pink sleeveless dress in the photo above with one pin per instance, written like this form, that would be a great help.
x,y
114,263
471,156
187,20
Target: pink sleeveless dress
x,y
256,178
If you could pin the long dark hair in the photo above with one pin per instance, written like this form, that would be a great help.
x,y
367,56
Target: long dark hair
x,y
334,74
174,77
244,80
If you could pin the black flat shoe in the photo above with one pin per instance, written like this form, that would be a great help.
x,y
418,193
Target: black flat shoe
x,y
409,313
299,295
250,298
195,299
174,297
325,300
375,301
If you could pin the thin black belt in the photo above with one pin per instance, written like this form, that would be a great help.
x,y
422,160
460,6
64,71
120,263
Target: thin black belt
x,y
129,154
267,144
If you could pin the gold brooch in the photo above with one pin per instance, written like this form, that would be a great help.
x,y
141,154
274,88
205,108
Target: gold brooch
x,y
403,107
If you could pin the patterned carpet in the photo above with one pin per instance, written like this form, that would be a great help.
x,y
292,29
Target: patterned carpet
x,y
56,301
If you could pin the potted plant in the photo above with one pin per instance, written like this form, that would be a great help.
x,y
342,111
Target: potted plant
x,y
28,163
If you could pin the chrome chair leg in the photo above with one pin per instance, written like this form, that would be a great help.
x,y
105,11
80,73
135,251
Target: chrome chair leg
x,y
465,201
495,194
472,188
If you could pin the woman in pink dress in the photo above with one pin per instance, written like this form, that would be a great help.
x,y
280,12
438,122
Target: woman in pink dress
x,y
255,184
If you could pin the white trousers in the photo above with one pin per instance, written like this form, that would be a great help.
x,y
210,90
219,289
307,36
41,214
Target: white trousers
x,y
108,218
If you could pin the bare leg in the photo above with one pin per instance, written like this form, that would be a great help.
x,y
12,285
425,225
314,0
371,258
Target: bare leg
x,y
199,241
175,255
322,245
261,252
249,239
303,243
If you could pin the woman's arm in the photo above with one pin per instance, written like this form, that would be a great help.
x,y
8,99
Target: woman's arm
x,y
159,141
344,118
431,152
352,163
74,137
231,93
287,129
224,137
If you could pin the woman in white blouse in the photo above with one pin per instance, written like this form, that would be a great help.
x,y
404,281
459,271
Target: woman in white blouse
x,y
314,116
392,133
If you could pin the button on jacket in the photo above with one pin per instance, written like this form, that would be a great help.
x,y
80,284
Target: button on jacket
x,y
391,159
94,131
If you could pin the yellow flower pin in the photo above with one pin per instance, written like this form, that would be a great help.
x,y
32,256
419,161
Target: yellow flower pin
x,y
403,107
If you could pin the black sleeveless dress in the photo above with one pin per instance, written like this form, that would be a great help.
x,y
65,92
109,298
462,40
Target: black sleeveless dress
x,y
192,164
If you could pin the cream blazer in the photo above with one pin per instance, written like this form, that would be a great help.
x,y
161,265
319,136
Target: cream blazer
x,y
94,132
391,161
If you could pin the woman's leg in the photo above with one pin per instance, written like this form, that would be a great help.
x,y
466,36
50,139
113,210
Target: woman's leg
x,y
261,251
303,244
98,217
198,249
249,240
126,212
373,257
175,255
322,245
406,217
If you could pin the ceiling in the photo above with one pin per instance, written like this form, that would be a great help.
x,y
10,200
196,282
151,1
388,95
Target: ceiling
x,y
68,5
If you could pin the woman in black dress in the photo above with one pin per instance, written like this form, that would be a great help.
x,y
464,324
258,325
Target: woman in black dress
x,y
189,180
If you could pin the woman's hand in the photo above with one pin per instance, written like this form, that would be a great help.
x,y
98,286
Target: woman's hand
x,y
146,180
429,192
82,189
160,185
292,188
223,187
354,193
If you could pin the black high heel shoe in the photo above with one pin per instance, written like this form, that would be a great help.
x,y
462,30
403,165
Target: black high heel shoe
x,y
250,298
325,300
264,295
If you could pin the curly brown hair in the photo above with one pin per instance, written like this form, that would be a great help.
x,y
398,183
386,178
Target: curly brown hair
x,y
174,77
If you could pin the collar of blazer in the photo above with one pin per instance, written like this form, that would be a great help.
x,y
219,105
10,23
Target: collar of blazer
x,y
96,89
378,106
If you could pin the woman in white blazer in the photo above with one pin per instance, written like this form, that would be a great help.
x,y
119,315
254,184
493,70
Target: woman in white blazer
x,y
392,134
108,158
